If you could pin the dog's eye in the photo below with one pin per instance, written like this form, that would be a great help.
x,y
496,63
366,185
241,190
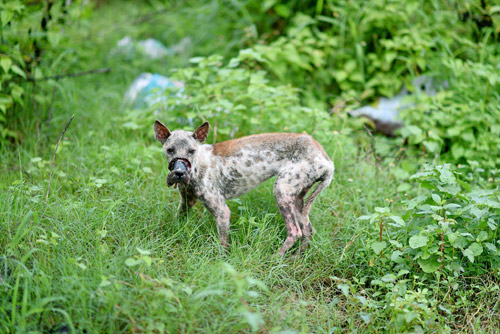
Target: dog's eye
x,y
170,150
191,152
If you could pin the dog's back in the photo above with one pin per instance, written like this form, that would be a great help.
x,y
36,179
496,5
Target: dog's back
x,y
246,162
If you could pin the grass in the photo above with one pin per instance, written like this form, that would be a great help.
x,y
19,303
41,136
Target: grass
x,y
65,263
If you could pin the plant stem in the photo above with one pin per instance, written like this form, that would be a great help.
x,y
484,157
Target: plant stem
x,y
54,158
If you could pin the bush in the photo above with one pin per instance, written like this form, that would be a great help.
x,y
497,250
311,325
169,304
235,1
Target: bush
x,y
235,99
367,49
462,124
450,228
29,32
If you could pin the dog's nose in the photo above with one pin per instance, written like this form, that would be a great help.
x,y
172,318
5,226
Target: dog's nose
x,y
179,172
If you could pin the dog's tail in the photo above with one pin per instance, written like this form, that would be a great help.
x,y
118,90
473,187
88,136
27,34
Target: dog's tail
x,y
324,180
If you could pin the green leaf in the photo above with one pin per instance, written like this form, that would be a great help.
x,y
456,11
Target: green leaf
x,y
130,262
5,63
382,210
418,241
396,243
389,278
447,175
431,146
452,237
492,224
412,204
491,247
414,130
378,246
410,316
403,272
494,9
15,6
81,265
38,73
430,265
344,288
398,220
483,235
99,182
478,213
476,249
6,16
469,255
396,256
143,251
450,189
436,199
16,69
5,102
147,260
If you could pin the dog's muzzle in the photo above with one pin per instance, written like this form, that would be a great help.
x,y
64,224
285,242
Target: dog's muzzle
x,y
179,171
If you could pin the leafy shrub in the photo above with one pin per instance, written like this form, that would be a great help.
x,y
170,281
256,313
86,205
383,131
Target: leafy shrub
x,y
450,228
364,49
408,311
463,122
235,99
29,31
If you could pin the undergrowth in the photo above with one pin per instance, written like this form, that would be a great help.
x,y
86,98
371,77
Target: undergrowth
x,y
400,246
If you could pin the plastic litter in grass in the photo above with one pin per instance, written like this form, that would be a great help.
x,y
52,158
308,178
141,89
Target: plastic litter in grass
x,y
385,113
149,89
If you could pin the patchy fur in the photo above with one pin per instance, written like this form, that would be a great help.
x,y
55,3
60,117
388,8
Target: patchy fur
x,y
230,169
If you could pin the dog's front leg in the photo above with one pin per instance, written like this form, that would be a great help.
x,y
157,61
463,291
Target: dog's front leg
x,y
218,207
188,199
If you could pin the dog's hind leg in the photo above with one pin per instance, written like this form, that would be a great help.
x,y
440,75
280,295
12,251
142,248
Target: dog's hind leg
x,y
324,181
308,229
287,204
305,224
305,205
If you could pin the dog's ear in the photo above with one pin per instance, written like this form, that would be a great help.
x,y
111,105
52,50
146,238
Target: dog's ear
x,y
201,133
161,132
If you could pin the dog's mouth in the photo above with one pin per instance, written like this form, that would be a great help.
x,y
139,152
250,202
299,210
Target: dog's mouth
x,y
179,171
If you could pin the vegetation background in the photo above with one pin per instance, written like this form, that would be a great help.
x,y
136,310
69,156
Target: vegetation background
x,y
407,234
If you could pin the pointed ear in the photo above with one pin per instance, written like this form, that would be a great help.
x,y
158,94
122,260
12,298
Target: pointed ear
x,y
161,132
201,133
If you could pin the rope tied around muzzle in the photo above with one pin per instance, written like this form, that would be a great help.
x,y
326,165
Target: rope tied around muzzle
x,y
179,163
175,166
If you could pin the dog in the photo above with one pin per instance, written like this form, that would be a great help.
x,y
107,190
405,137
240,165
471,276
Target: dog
x,y
215,173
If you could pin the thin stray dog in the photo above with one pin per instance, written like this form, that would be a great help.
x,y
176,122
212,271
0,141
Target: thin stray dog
x,y
214,173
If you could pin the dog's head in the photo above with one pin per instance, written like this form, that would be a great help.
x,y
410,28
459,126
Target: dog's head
x,y
180,147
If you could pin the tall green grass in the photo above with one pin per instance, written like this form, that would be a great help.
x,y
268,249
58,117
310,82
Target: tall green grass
x,y
107,255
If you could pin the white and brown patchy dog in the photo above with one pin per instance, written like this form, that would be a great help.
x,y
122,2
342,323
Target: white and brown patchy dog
x,y
215,173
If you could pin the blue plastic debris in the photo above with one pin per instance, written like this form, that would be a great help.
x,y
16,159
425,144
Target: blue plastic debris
x,y
149,89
